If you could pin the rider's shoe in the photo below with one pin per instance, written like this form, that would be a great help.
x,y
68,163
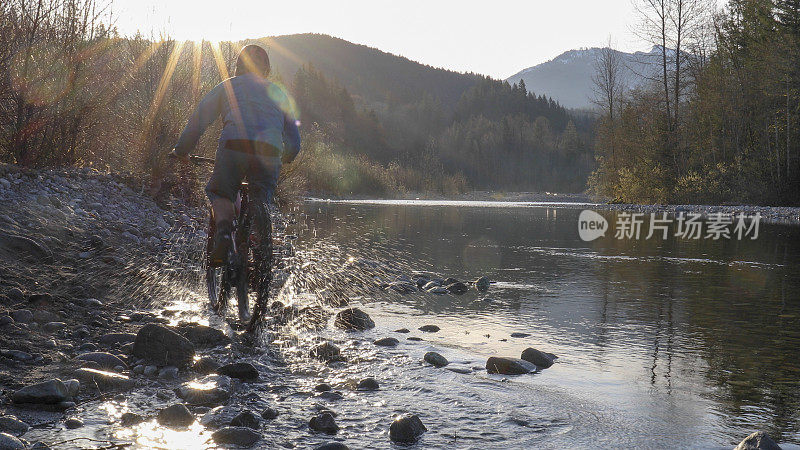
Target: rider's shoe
x,y
222,245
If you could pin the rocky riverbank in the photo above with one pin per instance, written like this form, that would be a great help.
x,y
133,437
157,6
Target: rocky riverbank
x,y
105,341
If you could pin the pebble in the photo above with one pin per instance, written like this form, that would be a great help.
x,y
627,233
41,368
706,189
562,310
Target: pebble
x,y
22,316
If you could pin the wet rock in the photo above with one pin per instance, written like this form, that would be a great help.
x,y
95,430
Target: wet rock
x,y
353,319
52,327
105,360
129,419
219,417
206,365
406,429
240,436
431,285
6,320
39,446
12,425
48,392
150,371
210,390
758,441
73,387
386,342
429,328
246,419
540,359
461,370
414,338
112,339
403,330
72,423
519,335
19,355
22,316
323,387
368,384
330,396
43,316
87,347
403,287
202,336
438,290
435,359
241,370
324,423
325,351
332,446
482,284
457,288
509,366
269,413
162,346
168,373
9,442
177,415
103,380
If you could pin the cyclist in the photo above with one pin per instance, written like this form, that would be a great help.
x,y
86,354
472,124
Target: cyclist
x,y
259,133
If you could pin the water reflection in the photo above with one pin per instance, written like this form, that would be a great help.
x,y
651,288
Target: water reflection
x,y
690,335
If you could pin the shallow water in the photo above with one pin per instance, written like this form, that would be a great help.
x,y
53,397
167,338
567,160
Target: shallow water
x,y
661,343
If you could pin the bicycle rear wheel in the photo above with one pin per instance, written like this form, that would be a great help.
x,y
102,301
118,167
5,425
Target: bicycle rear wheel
x,y
261,265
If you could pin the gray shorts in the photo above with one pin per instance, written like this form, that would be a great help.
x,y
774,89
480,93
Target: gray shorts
x,y
232,167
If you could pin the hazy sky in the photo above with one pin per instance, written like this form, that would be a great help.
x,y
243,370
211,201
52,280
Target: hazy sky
x,y
496,38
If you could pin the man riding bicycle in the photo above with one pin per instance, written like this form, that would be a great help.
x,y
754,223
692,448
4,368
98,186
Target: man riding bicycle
x,y
259,133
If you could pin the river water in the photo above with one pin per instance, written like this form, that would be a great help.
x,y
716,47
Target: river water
x,y
662,342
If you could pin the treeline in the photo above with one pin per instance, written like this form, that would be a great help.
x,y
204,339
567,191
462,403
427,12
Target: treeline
x,y
78,94
718,122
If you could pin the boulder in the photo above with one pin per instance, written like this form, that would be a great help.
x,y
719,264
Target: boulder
x,y
324,423
219,417
162,346
353,319
758,441
429,328
540,359
435,359
406,429
103,380
105,360
241,370
386,342
72,423
269,413
239,436
48,392
203,336
457,288
130,419
509,366
177,415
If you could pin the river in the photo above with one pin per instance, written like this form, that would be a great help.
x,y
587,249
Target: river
x,y
670,342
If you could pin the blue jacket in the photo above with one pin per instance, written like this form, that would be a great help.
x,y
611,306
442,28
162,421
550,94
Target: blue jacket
x,y
252,108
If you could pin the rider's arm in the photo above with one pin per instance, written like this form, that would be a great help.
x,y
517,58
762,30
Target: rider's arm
x,y
206,113
291,138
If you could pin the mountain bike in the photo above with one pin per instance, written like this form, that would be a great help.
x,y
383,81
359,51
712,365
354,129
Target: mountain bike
x,y
248,266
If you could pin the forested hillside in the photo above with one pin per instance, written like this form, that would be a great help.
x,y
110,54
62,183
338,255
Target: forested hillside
x,y
719,121
373,123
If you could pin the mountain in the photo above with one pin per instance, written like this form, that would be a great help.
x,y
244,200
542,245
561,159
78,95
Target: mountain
x,y
567,78
366,72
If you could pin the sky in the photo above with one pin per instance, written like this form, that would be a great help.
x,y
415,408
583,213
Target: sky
x,y
497,38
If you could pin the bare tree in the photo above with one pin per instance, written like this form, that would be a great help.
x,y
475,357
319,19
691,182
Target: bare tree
x,y
609,84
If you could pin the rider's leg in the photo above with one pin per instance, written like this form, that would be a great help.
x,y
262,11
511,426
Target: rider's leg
x,y
222,189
